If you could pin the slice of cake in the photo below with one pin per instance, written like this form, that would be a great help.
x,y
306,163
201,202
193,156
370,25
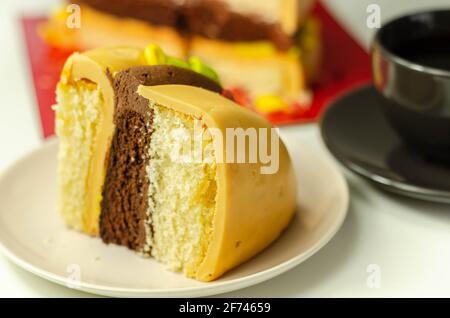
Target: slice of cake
x,y
154,158
84,120
276,21
267,52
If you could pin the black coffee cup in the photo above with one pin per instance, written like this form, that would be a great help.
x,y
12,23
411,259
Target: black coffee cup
x,y
411,71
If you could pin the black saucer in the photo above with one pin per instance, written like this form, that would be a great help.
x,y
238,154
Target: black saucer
x,y
358,135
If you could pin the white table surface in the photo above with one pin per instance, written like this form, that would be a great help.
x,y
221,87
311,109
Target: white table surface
x,y
408,240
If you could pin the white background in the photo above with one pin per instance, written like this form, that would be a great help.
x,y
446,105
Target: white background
x,y
409,240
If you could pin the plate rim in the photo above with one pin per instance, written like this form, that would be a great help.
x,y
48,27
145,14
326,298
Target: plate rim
x,y
196,291
390,185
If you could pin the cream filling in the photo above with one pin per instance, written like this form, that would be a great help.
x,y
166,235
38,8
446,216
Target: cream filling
x,y
286,13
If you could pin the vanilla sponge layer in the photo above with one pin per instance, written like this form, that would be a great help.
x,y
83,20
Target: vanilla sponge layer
x,y
78,116
182,191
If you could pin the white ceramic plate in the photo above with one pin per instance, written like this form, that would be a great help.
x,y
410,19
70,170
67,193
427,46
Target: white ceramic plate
x,y
33,235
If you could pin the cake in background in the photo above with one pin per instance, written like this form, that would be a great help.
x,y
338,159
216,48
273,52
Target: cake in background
x,y
118,116
267,53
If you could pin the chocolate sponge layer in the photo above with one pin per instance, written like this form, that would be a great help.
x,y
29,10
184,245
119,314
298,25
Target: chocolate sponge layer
x,y
124,206
212,19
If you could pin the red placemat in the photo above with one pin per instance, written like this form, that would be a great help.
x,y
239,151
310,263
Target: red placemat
x,y
345,65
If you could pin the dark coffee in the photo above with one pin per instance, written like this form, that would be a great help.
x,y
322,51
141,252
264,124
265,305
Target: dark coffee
x,y
432,52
